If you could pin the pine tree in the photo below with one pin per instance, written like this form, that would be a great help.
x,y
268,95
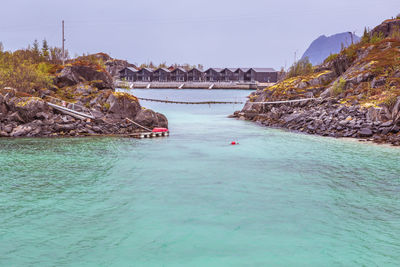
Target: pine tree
x,y
365,38
45,50
35,47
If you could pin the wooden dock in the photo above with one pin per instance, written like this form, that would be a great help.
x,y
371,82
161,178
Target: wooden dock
x,y
149,135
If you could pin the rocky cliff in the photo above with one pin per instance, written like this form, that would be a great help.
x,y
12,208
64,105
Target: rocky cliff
x,y
356,93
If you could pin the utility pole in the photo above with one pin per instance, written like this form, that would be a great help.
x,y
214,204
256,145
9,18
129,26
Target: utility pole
x,y
351,36
63,41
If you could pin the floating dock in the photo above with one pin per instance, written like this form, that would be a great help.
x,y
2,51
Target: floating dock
x,y
149,135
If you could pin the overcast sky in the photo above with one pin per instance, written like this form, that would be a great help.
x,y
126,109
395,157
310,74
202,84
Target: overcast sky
x,y
218,33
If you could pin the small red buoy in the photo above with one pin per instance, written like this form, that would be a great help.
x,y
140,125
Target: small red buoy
x,y
233,143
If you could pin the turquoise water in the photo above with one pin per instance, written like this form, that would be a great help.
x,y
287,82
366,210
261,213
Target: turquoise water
x,y
277,199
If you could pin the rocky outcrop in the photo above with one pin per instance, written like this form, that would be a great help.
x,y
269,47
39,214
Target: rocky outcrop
x,y
327,117
33,117
386,28
75,74
147,117
114,66
122,105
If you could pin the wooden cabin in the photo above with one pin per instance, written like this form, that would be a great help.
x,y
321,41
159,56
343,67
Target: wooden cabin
x,y
145,75
262,75
228,75
213,74
161,75
129,74
195,75
179,75
240,74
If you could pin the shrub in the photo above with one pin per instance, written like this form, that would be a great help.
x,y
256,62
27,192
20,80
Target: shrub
x,y
351,52
390,101
301,67
338,87
396,33
331,58
20,70
376,38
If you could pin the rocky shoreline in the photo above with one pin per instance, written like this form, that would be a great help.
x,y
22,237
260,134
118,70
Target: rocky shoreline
x,y
90,88
353,94
327,117
33,117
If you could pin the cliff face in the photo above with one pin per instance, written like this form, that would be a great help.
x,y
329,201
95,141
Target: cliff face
x,y
357,91
324,46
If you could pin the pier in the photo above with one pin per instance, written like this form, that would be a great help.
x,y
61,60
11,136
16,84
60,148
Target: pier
x,y
149,135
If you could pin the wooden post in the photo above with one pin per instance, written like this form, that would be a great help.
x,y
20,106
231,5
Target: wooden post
x,y
63,41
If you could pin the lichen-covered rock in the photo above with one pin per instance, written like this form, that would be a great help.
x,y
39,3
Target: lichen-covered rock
x,y
123,105
75,74
29,107
162,120
149,118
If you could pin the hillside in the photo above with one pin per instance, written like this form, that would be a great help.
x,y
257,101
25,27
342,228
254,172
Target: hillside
x,y
356,92
324,46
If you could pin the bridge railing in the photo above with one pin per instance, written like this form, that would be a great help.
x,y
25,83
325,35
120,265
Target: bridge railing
x,y
69,105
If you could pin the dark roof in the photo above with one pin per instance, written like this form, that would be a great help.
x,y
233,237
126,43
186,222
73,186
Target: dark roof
x,y
195,69
163,69
242,69
230,69
215,69
179,68
129,68
263,69
132,69
148,69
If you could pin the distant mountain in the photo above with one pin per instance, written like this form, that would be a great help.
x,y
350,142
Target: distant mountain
x,y
322,47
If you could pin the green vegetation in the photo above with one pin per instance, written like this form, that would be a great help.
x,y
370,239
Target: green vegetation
x,y
338,87
390,101
301,67
31,69
331,57
365,38
376,38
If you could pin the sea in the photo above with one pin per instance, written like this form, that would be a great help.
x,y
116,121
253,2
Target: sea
x,y
276,198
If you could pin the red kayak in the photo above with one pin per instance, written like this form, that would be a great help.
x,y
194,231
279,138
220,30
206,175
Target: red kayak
x,y
160,130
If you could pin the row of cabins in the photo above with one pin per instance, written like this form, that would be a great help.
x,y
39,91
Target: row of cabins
x,y
263,75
